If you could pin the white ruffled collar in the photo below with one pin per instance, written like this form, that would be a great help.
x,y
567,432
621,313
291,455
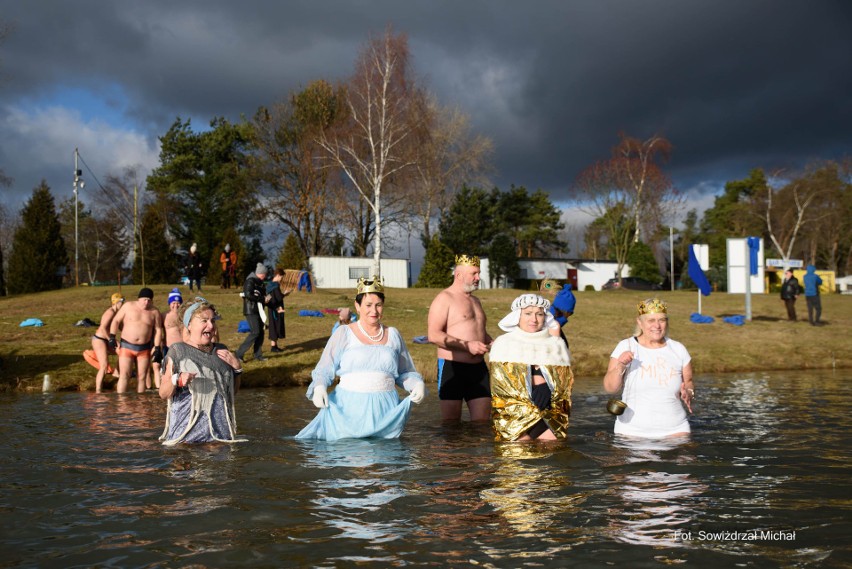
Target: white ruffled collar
x,y
539,348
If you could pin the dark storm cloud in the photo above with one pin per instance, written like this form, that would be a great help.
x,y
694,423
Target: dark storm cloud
x,y
734,85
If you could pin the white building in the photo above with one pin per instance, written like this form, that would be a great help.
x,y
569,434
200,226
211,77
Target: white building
x,y
344,272
579,272
596,273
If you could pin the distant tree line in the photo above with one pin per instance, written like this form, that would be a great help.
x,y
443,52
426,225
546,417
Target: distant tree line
x,y
334,168
803,215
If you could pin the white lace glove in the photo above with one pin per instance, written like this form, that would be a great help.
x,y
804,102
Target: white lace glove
x,y
417,389
320,397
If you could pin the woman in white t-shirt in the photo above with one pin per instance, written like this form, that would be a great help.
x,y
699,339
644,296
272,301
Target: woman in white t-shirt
x,y
655,373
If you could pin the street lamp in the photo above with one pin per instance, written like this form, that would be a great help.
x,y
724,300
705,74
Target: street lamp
x,y
79,184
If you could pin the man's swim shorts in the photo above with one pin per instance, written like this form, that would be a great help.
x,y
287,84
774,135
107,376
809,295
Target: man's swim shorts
x,y
457,380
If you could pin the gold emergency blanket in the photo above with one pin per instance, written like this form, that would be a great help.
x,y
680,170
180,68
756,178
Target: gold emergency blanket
x,y
512,411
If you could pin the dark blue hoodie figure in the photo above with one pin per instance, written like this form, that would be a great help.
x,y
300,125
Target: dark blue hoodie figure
x,y
563,307
812,282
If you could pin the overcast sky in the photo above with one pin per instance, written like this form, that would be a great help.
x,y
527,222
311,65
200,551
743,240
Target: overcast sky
x,y
732,84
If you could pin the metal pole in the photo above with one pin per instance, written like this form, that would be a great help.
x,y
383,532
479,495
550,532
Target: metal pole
x,y
671,256
748,280
76,224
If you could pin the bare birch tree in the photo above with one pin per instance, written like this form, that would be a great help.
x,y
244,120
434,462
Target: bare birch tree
x,y
384,109
810,203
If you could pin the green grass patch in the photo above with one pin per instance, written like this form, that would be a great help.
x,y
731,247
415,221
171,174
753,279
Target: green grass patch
x,y
603,318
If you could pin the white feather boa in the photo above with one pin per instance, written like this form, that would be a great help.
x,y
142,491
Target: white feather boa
x,y
539,348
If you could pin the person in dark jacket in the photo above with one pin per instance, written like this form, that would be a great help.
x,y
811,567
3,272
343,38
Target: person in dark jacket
x,y
789,293
194,267
812,283
277,332
254,301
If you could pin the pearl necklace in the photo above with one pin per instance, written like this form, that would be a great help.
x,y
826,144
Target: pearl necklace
x,y
378,337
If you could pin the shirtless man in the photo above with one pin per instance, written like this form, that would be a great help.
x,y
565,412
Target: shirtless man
x,y
457,326
171,321
141,337
172,328
100,341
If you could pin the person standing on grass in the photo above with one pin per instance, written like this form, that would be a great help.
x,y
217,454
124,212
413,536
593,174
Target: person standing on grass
x,y
812,283
255,299
228,258
276,310
194,269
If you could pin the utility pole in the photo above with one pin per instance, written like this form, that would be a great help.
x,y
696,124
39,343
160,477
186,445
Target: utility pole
x,y
79,184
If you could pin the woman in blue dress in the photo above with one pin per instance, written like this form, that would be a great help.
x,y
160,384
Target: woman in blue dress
x,y
371,360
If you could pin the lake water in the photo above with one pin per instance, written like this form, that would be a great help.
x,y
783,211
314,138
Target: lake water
x,y
763,482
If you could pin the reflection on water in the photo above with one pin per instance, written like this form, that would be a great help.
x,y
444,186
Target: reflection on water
x,y
84,482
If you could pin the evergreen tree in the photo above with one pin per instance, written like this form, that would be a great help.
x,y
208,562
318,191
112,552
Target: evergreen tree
x,y
437,269
469,224
531,220
642,262
292,256
202,183
38,260
157,261
502,259
732,215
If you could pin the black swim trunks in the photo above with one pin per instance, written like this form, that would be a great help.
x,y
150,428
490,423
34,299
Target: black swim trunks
x,y
457,380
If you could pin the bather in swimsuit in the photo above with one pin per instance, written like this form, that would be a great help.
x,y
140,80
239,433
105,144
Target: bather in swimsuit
x,y
128,350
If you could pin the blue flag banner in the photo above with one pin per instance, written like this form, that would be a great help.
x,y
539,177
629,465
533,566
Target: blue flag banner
x,y
753,250
696,274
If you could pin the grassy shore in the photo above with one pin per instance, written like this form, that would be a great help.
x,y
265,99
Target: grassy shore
x,y
768,342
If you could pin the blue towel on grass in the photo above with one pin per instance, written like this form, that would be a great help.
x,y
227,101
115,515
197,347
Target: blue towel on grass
x,y
31,322
696,318
316,313
736,320
421,339
243,326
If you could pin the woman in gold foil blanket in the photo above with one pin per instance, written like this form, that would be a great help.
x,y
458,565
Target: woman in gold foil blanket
x,y
531,377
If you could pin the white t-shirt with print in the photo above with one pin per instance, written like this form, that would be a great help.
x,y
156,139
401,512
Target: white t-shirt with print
x,y
652,390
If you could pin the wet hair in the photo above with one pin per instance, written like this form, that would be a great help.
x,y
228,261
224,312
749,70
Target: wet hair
x,y
279,272
360,297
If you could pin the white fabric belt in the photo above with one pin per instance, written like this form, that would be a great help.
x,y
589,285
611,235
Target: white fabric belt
x,y
367,381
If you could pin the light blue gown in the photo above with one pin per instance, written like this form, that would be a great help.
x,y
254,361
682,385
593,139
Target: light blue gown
x,y
362,414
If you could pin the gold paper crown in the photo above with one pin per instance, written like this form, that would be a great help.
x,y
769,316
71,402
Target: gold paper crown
x,y
470,261
653,306
374,284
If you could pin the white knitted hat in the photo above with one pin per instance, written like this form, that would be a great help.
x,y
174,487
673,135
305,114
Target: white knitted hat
x,y
510,321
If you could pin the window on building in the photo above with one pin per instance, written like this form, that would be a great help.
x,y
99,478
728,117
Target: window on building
x,y
356,273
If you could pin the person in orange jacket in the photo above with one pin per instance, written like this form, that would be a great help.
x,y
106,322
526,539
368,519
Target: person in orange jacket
x,y
229,266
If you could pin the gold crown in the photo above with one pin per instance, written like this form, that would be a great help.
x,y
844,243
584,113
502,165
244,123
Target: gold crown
x,y
652,306
374,284
470,261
